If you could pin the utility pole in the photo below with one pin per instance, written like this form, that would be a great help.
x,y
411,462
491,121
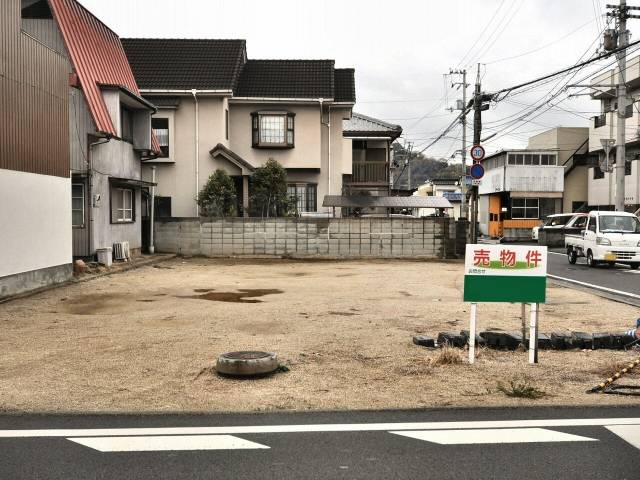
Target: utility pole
x,y
477,129
621,157
463,121
621,14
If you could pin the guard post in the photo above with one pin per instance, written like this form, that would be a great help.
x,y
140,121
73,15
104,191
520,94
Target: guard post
x,y
505,273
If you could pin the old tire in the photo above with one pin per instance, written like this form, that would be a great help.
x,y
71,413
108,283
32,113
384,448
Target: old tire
x,y
572,256
634,266
246,364
590,261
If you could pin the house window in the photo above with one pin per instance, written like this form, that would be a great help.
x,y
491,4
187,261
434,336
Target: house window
x,y
77,205
160,128
627,167
516,159
597,173
162,207
304,195
275,130
122,205
126,124
226,124
524,208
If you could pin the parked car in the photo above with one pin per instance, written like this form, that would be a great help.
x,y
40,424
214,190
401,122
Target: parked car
x,y
557,220
609,237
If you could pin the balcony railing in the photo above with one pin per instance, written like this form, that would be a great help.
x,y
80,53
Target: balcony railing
x,y
370,172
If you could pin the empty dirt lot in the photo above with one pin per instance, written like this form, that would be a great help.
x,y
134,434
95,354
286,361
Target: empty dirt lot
x,y
146,340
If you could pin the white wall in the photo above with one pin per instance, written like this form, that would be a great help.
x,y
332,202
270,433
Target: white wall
x,y
534,179
603,191
35,215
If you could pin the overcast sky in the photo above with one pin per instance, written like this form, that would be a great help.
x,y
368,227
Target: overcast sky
x,y
401,49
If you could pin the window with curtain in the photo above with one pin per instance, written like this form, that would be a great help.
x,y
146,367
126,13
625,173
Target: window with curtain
x,y
273,129
122,205
160,128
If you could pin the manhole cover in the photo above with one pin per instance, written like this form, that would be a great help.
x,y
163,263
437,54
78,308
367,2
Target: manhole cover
x,y
247,363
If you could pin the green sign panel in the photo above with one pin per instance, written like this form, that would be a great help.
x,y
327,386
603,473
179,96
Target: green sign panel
x,y
505,273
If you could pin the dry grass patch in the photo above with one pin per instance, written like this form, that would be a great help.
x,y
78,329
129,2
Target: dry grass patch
x,y
447,356
520,387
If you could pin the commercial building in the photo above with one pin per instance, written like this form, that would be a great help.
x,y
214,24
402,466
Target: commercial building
x,y
602,180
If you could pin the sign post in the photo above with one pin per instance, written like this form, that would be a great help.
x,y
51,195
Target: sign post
x,y
506,273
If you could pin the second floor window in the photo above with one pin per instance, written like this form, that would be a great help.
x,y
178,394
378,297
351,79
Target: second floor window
x,y
272,129
126,124
161,130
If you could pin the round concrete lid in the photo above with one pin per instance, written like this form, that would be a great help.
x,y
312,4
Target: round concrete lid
x,y
247,363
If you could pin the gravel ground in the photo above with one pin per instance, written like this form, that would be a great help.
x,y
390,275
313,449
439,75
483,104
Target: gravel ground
x,y
146,340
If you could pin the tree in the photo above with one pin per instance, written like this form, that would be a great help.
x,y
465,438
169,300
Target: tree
x,y
423,168
269,196
218,197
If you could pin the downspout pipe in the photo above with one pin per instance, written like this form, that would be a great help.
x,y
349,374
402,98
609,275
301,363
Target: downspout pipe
x,y
152,248
328,125
194,92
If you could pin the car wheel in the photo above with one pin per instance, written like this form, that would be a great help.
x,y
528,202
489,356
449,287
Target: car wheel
x,y
634,266
572,256
590,261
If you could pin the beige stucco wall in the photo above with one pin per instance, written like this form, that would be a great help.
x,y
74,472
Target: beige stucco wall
x,y
575,188
176,178
564,139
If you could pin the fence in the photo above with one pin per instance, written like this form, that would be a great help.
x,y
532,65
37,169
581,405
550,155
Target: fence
x,y
303,237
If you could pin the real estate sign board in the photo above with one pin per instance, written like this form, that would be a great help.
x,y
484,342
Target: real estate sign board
x,y
505,273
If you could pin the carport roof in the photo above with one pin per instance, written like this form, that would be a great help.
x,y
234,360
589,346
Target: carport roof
x,y
362,201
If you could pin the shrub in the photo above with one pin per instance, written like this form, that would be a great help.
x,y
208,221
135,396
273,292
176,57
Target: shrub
x,y
268,190
218,196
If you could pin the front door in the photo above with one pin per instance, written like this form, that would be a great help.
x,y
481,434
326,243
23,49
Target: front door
x,y
495,217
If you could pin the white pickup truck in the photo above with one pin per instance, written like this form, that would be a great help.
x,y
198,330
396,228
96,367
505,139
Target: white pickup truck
x,y
608,238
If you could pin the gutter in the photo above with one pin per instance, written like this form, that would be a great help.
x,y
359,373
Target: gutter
x,y
280,99
161,91
195,92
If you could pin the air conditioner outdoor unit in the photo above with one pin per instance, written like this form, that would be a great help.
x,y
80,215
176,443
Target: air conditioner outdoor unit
x,y
121,251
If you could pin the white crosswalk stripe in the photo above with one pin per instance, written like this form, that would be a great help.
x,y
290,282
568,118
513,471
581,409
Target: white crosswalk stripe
x,y
167,443
494,435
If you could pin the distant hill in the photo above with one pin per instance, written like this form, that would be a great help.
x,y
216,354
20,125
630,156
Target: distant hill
x,y
422,168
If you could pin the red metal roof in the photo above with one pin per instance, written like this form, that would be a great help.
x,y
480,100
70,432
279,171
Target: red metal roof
x,y
97,57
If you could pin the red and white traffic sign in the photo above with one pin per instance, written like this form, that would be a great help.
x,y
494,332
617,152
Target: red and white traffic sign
x,y
477,152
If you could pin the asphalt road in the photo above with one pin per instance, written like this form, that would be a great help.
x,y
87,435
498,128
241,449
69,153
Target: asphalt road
x,y
619,282
547,443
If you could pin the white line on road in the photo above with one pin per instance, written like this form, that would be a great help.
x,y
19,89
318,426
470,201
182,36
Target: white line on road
x,y
166,443
500,435
597,287
341,427
629,433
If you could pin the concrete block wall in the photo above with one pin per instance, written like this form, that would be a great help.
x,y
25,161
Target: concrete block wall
x,y
334,237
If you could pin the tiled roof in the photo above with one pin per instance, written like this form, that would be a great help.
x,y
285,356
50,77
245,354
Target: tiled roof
x,y
183,64
286,79
97,57
362,125
344,85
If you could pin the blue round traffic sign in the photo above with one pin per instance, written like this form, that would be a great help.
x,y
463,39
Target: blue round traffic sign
x,y
477,171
